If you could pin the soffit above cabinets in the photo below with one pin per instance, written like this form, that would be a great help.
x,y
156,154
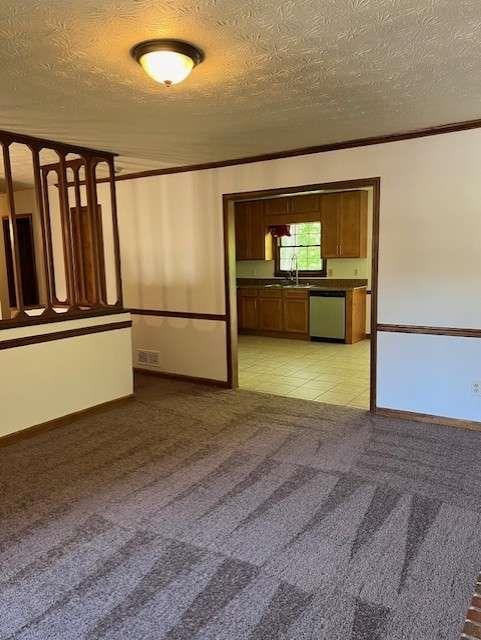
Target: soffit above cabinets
x,y
277,74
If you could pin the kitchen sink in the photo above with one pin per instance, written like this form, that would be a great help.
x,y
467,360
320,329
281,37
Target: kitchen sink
x,y
286,286
296,286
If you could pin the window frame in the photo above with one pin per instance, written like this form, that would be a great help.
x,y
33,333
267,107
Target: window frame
x,y
303,273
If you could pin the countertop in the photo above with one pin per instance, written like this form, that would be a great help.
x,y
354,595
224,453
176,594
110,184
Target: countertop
x,y
324,283
310,287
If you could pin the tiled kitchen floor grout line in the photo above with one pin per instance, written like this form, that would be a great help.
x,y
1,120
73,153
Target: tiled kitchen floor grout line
x,y
325,372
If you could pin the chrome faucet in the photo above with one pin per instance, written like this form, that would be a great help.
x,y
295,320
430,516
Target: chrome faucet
x,y
294,268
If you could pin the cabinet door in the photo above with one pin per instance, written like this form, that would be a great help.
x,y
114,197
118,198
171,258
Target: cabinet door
x,y
330,213
270,314
241,231
296,315
252,239
257,236
248,313
353,225
276,206
308,203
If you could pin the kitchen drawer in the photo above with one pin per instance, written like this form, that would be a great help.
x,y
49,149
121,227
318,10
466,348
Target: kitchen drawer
x,y
248,292
270,293
296,293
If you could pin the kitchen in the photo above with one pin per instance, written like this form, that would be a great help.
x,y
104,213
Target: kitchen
x,y
303,266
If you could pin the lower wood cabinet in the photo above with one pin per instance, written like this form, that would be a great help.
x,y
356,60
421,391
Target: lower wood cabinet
x,y
276,311
296,315
270,314
285,312
249,316
247,309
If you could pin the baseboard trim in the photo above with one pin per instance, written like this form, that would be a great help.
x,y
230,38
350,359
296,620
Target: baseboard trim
x,y
223,384
43,427
458,423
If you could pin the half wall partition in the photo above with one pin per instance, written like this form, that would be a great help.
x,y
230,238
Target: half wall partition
x,y
67,194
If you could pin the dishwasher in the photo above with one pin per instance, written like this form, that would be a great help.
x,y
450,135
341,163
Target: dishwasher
x,y
327,315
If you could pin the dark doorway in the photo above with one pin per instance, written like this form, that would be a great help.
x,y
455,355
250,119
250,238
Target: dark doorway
x,y
28,269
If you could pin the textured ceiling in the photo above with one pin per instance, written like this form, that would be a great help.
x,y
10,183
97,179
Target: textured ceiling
x,y
278,73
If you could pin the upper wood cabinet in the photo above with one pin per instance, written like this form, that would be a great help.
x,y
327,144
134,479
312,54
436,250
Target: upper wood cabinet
x,y
307,203
276,206
289,209
343,216
344,224
253,242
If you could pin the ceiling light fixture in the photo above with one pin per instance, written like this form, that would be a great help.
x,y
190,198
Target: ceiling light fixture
x,y
167,61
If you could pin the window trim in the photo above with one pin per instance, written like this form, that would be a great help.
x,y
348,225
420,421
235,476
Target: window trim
x,y
320,273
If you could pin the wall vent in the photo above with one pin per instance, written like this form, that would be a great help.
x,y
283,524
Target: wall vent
x,y
151,358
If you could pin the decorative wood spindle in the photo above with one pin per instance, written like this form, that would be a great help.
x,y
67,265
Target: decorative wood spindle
x,y
115,228
47,256
48,228
69,254
76,231
96,230
12,218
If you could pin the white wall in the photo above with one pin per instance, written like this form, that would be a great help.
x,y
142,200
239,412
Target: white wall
x,y
184,345
440,384
430,245
48,380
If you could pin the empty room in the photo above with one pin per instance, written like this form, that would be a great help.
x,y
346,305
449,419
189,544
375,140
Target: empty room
x,y
240,320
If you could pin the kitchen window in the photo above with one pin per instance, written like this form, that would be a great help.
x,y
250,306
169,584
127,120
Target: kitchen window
x,y
304,243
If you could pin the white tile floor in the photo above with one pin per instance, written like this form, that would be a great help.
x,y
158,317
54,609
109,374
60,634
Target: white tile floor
x,y
326,372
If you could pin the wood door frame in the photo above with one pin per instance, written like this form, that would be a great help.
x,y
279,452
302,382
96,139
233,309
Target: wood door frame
x,y
230,281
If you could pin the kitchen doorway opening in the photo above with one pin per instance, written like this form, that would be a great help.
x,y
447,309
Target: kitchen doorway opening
x,y
301,281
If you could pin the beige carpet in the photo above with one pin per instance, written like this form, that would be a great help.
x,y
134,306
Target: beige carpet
x,y
192,513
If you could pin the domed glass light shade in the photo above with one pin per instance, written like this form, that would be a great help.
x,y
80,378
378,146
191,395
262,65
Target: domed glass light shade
x,y
167,61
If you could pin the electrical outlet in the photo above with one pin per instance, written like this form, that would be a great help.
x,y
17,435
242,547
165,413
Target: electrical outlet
x,y
476,388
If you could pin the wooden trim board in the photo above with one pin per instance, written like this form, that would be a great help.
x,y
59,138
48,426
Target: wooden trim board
x,y
430,331
52,318
452,127
178,376
62,335
472,425
40,143
220,317
30,432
